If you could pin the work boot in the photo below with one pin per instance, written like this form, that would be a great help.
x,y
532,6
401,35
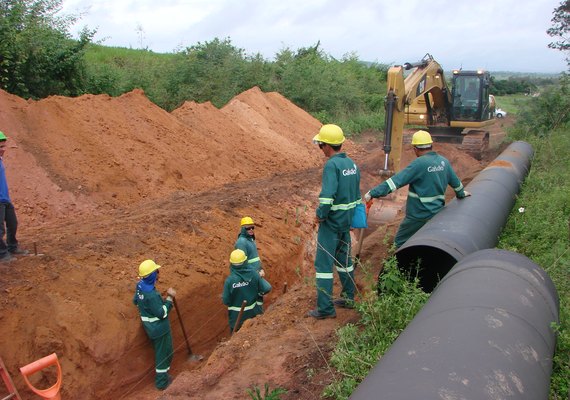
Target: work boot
x,y
7,257
168,382
344,303
19,251
316,314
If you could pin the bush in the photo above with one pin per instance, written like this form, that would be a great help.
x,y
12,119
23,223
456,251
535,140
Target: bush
x,y
382,319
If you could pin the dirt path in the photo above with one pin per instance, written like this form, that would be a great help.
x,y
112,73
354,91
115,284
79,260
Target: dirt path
x,y
102,183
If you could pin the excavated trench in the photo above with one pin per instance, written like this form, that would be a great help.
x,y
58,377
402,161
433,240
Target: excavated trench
x,y
171,187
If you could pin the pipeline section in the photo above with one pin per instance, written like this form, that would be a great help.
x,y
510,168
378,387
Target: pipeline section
x,y
485,333
467,225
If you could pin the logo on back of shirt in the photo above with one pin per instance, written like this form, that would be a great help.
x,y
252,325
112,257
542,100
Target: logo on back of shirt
x,y
240,284
436,168
351,171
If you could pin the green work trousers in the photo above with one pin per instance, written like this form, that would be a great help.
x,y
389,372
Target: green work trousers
x,y
162,358
407,228
333,248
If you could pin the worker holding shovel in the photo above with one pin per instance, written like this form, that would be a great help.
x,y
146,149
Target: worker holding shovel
x,y
241,290
154,315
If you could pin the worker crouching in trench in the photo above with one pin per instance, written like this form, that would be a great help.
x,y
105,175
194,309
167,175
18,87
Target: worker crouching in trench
x,y
243,285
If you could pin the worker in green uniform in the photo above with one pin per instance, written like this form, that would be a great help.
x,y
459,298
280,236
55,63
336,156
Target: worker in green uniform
x,y
243,283
428,176
154,315
246,242
340,193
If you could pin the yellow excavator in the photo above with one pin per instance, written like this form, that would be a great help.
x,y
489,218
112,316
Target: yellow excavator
x,y
457,115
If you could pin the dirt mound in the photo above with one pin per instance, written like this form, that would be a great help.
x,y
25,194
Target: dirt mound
x,y
95,151
102,183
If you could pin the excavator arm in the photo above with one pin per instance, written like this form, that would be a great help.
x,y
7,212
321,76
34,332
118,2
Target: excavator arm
x,y
425,83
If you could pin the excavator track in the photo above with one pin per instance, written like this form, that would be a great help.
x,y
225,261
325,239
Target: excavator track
x,y
471,141
475,143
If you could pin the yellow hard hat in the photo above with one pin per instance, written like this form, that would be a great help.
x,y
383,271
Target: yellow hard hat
x,y
237,257
246,221
421,139
147,267
330,134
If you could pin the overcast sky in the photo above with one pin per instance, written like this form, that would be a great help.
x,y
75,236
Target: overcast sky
x,y
498,35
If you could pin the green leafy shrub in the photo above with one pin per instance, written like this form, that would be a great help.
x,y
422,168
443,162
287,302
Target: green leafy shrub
x,y
382,319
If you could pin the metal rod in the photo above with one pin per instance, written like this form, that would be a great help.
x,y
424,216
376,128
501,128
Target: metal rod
x,y
390,103
182,326
238,320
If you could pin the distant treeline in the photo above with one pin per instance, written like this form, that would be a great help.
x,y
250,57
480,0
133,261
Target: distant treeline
x,y
520,84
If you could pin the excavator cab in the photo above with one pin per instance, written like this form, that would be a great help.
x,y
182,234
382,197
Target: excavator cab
x,y
470,96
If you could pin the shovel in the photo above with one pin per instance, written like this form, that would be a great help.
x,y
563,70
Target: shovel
x,y
191,356
236,326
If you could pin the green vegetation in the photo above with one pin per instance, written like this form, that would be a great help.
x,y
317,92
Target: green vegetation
x,y
38,58
511,103
37,55
382,319
542,230
520,84
114,71
273,394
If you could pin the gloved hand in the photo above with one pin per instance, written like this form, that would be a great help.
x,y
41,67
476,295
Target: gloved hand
x,y
367,197
171,292
467,194
261,273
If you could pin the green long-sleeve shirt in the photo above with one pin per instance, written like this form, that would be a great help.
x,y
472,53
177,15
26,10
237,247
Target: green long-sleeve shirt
x,y
154,312
428,177
246,243
243,283
340,192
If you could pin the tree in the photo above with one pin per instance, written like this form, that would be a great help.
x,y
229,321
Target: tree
x,y
209,71
561,29
38,57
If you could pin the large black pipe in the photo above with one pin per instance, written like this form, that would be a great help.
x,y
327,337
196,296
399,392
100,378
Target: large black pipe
x,y
485,333
467,225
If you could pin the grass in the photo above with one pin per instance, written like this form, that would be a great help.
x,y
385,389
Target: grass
x,y
511,103
273,394
542,233
382,319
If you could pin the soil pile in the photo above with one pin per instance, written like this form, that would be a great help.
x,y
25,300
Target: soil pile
x,y
102,183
